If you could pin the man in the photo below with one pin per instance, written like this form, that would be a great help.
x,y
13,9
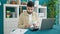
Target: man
x,y
29,17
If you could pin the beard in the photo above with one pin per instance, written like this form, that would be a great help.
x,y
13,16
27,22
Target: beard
x,y
29,12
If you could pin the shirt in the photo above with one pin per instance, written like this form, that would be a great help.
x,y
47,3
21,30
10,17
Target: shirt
x,y
30,19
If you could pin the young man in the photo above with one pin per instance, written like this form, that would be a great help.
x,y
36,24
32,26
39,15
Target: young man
x,y
29,17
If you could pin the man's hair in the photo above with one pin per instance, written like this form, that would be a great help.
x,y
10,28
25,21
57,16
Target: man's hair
x,y
30,4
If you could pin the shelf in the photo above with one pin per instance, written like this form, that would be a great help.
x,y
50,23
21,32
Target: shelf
x,y
22,5
43,9
11,11
39,6
42,6
11,5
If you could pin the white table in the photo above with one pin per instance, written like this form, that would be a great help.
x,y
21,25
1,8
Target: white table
x,y
19,31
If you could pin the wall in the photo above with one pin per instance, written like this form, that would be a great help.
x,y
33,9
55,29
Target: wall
x,y
59,11
1,16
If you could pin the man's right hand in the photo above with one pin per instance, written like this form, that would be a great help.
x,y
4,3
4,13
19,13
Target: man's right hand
x,y
27,26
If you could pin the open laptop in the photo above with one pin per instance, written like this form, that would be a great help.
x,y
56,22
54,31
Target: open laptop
x,y
47,23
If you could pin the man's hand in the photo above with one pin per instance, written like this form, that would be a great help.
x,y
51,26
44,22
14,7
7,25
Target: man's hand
x,y
27,25
36,25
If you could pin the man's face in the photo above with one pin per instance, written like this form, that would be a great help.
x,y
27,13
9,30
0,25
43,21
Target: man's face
x,y
30,9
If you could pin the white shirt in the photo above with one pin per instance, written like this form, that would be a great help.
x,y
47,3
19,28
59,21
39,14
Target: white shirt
x,y
30,19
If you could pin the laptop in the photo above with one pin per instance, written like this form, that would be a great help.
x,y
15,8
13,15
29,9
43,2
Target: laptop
x,y
47,23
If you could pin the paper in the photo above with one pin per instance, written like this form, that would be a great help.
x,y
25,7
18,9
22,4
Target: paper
x,y
19,31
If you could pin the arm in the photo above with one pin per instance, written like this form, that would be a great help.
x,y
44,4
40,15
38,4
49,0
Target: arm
x,y
20,22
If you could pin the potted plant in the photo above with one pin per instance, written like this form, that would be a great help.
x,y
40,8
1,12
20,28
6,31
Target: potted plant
x,y
51,8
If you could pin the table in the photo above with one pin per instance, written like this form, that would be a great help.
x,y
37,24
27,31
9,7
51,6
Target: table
x,y
54,30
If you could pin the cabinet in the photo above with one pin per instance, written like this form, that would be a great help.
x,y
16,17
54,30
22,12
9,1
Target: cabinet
x,y
41,11
11,15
